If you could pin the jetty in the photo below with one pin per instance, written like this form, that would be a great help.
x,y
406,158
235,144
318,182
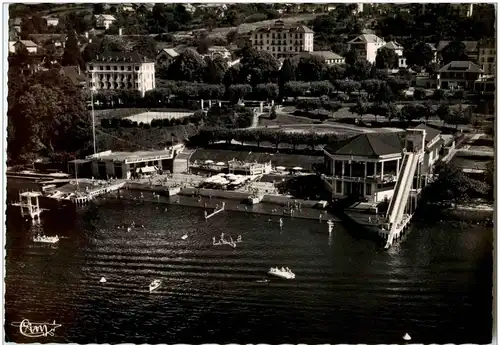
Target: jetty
x,y
216,211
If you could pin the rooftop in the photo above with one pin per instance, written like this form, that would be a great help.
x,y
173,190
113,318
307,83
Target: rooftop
x,y
470,46
327,55
462,66
367,38
371,145
123,155
393,45
430,133
133,57
27,43
280,26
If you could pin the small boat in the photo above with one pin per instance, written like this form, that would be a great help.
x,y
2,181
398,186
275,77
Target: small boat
x,y
282,273
407,337
46,239
184,237
103,280
263,281
155,284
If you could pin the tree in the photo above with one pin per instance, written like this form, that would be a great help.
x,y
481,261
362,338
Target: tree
x,y
310,68
384,94
420,54
273,115
258,67
237,92
419,94
215,70
48,115
454,51
266,91
386,59
146,46
351,57
188,66
286,74
453,185
203,44
360,70
444,113
72,55
360,108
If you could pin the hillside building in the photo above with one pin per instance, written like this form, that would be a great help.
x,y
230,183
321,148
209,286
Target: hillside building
x,y
121,71
283,40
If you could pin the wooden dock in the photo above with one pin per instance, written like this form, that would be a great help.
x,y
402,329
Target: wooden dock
x,y
216,211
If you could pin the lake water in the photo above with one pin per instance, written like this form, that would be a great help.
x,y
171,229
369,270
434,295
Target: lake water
x,y
436,284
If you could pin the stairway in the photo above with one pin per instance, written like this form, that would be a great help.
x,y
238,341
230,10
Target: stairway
x,y
399,200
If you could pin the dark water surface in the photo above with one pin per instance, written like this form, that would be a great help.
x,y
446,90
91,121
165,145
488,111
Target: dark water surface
x,y
435,285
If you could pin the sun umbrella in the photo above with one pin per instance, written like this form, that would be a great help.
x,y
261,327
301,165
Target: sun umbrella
x,y
208,161
280,168
297,168
220,164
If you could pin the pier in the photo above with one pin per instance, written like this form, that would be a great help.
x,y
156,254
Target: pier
x,y
216,211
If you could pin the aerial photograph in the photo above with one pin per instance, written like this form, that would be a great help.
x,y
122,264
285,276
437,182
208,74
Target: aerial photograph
x,y
249,173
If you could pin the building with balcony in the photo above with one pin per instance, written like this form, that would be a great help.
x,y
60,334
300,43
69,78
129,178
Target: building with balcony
x,y
367,45
487,56
121,71
51,21
367,166
459,75
283,40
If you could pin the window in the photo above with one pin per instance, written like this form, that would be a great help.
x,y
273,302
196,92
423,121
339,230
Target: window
x,y
368,189
100,68
91,68
122,68
338,187
129,68
108,68
115,68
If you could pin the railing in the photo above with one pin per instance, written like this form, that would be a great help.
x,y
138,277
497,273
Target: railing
x,y
402,175
407,184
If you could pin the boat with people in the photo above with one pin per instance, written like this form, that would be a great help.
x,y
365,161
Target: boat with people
x,y
155,284
184,237
283,272
103,280
222,241
46,239
263,281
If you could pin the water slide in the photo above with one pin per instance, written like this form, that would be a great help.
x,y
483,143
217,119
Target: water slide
x,y
402,192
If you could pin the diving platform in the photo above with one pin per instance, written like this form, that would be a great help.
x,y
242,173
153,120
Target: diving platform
x,y
216,211
30,204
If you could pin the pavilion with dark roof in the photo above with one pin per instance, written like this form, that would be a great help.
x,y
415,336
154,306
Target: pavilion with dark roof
x,y
367,165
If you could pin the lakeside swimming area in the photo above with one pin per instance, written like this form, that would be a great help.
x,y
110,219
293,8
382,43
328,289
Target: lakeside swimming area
x,y
211,294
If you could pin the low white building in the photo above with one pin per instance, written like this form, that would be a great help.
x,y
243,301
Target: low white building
x,y
218,51
30,46
121,71
51,21
330,57
125,165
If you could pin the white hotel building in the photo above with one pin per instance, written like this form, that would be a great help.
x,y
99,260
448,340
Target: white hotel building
x,y
121,71
283,40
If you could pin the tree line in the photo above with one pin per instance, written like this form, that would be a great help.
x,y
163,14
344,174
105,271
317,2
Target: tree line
x,y
211,135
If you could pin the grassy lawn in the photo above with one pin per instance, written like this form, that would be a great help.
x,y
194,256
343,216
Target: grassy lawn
x,y
283,119
125,112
